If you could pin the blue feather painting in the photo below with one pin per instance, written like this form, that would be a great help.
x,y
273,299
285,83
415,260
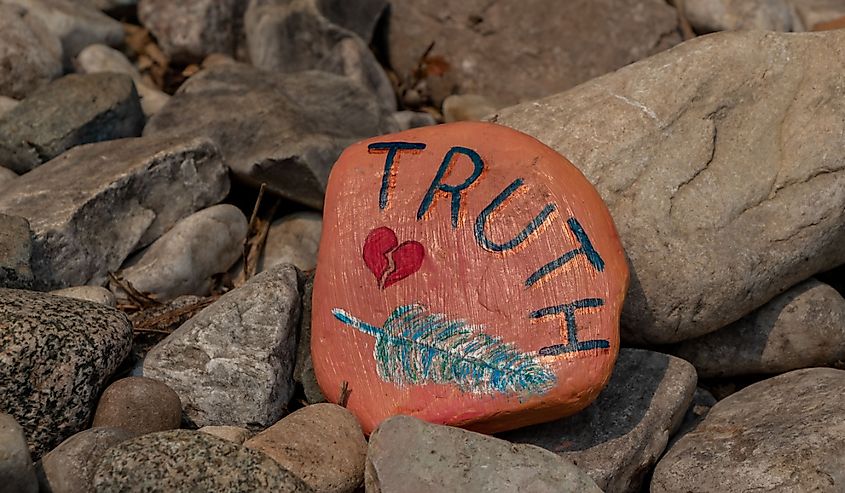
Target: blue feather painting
x,y
415,346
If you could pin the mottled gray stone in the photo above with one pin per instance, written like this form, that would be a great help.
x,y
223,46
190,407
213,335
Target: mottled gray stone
x,y
707,16
55,356
70,467
94,205
781,434
189,30
511,51
15,253
288,130
303,372
293,239
232,363
97,294
30,56
294,36
620,436
185,258
801,328
76,24
139,405
184,460
17,474
321,444
720,161
409,455
101,58
73,110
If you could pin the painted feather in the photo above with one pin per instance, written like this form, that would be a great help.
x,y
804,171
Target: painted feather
x,y
415,346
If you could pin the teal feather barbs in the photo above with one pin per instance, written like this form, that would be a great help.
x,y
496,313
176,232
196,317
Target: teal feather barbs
x,y
415,347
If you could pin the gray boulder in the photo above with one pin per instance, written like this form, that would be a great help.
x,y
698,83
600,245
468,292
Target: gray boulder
x,y
94,205
73,110
721,162
801,328
406,454
620,436
781,434
231,364
30,55
15,253
56,355
288,129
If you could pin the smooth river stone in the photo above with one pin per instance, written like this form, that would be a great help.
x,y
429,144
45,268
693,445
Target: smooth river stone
x,y
436,294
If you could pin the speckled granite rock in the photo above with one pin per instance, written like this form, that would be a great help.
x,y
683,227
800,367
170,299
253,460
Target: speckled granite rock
x,y
73,110
55,356
408,455
183,460
231,364
15,253
138,405
30,56
17,474
288,129
95,204
780,434
70,467
619,438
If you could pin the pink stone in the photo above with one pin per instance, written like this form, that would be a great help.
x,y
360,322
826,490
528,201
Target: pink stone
x,y
467,275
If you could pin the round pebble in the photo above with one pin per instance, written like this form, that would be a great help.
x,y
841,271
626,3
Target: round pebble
x,y
139,405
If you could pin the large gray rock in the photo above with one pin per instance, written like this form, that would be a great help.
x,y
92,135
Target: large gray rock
x,y
294,36
409,455
73,110
721,161
55,356
801,328
70,467
781,434
17,474
189,30
620,436
184,460
707,16
75,23
288,129
510,51
321,444
30,55
15,253
231,364
95,204
185,258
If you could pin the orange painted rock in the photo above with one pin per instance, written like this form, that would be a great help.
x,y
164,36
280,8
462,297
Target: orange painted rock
x,y
467,275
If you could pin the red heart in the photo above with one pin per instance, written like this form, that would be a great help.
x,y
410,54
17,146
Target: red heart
x,y
407,257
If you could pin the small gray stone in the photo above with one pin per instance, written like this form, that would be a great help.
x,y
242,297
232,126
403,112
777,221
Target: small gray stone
x,y
413,119
303,372
184,460
15,253
289,128
802,328
466,107
139,405
70,467
232,433
359,17
185,258
30,56
293,239
620,436
781,434
55,356
409,455
231,364
73,110
707,16
76,24
17,474
189,30
101,58
6,104
94,205
294,36
321,444
97,294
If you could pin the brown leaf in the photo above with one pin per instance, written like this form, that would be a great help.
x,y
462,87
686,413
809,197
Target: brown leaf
x,y
436,65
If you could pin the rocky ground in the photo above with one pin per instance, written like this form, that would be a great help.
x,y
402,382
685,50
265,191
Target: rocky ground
x,y
162,172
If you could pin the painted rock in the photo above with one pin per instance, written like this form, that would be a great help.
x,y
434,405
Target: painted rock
x,y
467,275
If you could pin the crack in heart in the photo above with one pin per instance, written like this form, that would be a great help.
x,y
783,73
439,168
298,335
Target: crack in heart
x,y
404,259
